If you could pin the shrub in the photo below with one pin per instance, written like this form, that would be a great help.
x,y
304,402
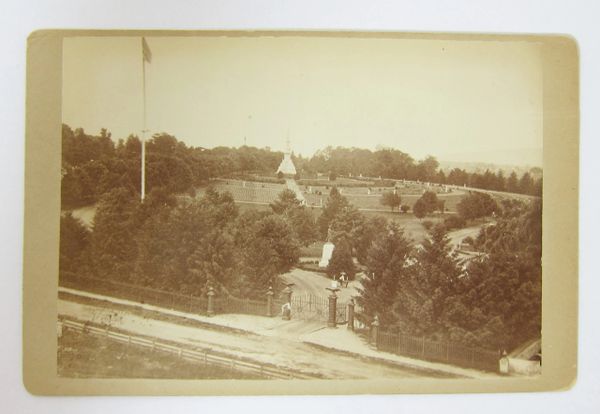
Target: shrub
x,y
454,222
428,224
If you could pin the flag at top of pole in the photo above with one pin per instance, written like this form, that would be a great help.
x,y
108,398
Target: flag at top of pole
x,y
147,53
146,57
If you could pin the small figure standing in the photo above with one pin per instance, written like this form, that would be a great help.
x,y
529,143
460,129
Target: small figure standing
x,y
343,279
286,311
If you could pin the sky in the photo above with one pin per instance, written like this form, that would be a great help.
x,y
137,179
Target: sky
x,y
464,100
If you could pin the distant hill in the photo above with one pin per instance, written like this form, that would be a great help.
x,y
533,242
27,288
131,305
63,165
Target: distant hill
x,y
519,160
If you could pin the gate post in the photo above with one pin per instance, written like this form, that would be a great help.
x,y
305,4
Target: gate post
x,y
270,301
375,331
211,292
350,314
331,320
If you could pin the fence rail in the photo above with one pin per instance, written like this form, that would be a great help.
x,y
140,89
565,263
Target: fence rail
x,y
205,357
438,351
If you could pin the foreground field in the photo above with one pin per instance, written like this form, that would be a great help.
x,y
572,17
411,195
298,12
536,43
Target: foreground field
x,y
86,356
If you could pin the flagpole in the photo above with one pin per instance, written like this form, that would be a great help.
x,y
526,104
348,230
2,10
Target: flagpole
x,y
143,178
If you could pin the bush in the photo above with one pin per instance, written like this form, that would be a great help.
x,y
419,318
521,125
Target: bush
x,y
404,208
428,224
454,222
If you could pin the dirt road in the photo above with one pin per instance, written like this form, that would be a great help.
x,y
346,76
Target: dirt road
x,y
275,350
316,284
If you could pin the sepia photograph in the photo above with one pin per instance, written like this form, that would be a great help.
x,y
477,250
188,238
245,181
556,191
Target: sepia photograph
x,y
300,207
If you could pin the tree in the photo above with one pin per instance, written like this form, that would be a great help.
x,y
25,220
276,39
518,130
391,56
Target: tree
x,y
299,217
388,272
215,261
430,202
369,230
512,183
419,209
341,261
114,248
74,242
427,169
285,202
269,249
390,199
427,204
526,185
304,225
438,271
346,224
476,205
334,204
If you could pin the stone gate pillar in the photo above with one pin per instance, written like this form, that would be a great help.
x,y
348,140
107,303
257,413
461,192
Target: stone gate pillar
x,y
350,314
211,307
331,320
270,301
375,330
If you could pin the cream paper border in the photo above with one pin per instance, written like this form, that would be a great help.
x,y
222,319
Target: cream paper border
x,y
42,212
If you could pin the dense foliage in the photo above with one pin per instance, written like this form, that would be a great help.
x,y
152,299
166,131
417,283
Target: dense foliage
x,y
427,204
493,301
476,205
94,165
180,247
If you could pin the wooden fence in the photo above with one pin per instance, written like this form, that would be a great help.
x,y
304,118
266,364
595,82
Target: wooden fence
x,y
205,357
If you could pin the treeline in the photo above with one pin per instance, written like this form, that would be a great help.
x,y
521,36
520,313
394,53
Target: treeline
x,y
395,164
493,301
187,246
92,165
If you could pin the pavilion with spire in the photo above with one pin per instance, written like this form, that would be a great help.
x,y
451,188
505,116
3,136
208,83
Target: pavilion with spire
x,y
287,166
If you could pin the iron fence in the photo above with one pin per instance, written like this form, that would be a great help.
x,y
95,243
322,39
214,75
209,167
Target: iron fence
x,y
438,351
312,307
230,304
304,306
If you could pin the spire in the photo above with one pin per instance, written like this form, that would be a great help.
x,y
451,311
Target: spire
x,y
287,165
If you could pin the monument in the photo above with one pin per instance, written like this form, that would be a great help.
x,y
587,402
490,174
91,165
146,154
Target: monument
x,y
327,251
326,256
